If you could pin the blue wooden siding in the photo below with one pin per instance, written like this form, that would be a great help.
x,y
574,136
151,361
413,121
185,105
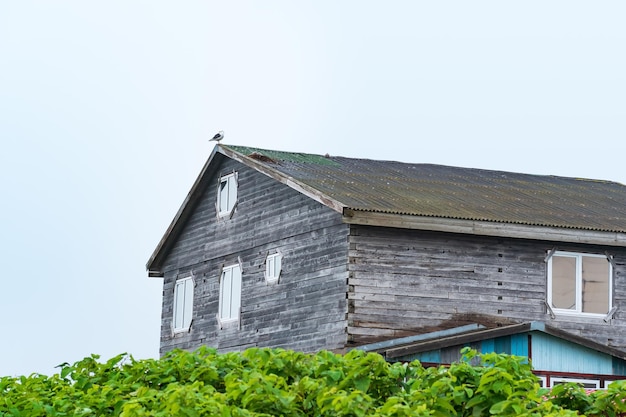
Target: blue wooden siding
x,y
549,353
434,356
554,354
519,344
619,366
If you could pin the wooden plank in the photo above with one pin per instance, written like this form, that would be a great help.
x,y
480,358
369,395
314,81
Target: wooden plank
x,y
474,227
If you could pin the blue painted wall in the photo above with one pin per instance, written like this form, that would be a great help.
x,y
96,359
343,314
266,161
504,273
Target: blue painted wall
x,y
554,354
549,353
433,357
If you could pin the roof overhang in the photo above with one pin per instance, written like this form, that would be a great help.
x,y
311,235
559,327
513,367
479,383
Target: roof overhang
x,y
485,228
398,348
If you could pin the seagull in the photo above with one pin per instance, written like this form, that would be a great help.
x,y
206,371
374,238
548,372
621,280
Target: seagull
x,y
218,136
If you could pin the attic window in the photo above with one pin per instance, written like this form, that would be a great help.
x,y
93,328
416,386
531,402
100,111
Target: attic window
x,y
579,284
227,195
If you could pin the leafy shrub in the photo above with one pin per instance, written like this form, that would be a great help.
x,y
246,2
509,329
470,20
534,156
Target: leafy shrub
x,y
275,382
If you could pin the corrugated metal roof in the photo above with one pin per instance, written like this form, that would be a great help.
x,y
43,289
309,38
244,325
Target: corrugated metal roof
x,y
452,192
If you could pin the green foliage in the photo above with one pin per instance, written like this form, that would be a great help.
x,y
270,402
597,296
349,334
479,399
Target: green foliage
x,y
275,382
610,402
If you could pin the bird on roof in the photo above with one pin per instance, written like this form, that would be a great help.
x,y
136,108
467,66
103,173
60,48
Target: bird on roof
x,y
218,136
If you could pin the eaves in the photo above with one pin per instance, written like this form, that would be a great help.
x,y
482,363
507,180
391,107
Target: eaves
x,y
484,228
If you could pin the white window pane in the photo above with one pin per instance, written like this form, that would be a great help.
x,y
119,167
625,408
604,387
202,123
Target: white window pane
x,y
273,266
564,282
183,304
236,292
595,284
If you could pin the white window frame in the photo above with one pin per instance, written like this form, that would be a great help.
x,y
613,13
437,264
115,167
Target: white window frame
x,y
554,380
543,381
182,306
230,291
579,284
272,272
231,181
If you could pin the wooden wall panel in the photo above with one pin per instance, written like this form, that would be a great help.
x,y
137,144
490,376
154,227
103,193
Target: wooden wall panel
x,y
305,310
406,282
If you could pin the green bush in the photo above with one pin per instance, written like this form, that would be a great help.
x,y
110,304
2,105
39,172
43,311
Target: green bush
x,y
275,382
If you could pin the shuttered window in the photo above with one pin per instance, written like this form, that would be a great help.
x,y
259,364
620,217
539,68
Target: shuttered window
x,y
227,194
230,293
273,266
183,304
579,283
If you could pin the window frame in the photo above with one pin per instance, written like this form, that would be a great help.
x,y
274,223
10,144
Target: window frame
x,y
271,259
578,256
543,380
222,294
582,381
232,178
188,284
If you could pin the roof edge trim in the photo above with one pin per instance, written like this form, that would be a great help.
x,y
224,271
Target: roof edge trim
x,y
485,228
153,266
455,331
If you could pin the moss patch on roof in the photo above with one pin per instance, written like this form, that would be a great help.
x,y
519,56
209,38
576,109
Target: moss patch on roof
x,y
279,156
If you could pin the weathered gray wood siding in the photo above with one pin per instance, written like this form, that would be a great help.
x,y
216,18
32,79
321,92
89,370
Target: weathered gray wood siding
x,y
306,310
406,282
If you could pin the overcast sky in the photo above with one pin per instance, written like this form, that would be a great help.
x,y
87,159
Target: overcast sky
x,y
106,108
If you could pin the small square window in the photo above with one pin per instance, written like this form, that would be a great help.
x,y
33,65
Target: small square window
x,y
273,266
227,195
230,293
579,283
183,304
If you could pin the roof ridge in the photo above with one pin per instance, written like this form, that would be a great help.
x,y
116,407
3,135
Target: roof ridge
x,y
272,152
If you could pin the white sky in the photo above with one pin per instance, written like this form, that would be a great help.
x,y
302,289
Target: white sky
x,y
106,108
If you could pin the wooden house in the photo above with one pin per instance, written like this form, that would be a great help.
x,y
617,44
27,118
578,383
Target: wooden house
x,y
313,252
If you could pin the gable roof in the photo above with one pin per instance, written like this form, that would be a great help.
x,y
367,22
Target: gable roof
x,y
436,197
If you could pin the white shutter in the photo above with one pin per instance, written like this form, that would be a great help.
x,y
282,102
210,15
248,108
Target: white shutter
x,y
188,308
236,293
225,294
